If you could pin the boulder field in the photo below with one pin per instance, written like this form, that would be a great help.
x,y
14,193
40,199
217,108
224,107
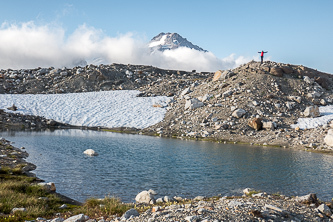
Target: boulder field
x,y
254,103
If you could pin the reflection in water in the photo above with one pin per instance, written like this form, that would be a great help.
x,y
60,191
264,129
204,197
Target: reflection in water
x,y
128,164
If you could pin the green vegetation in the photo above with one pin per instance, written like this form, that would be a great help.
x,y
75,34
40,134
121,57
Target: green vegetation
x,y
21,191
17,191
103,207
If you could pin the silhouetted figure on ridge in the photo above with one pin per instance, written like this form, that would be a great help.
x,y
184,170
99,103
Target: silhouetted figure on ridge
x,y
262,56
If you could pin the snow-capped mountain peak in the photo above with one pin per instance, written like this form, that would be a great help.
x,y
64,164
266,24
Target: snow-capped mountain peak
x,y
168,41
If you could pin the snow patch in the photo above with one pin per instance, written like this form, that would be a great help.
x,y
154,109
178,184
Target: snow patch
x,y
160,42
106,108
310,123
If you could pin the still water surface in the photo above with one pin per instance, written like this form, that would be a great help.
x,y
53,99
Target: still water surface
x,y
128,164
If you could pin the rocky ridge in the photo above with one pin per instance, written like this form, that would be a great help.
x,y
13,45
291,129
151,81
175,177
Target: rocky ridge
x,y
254,103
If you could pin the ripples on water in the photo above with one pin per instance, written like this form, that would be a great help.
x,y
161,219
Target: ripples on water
x,y
128,164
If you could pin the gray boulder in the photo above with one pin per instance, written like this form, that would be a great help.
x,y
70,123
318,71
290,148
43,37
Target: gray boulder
x,y
130,213
308,80
193,104
314,94
238,113
323,208
227,94
146,196
308,199
269,125
168,199
311,111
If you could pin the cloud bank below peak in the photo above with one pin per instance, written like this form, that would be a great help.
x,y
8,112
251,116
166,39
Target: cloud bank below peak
x,y
27,45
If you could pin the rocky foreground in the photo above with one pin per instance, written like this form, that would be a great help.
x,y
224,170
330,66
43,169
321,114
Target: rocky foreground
x,y
258,207
254,103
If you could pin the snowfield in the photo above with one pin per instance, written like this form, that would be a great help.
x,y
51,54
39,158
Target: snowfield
x,y
112,109
106,108
326,113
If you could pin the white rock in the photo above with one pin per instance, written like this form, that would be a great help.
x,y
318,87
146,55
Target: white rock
x,y
323,208
159,200
18,209
329,137
308,80
76,218
90,152
199,198
269,125
64,206
255,103
144,197
168,199
246,191
259,195
309,198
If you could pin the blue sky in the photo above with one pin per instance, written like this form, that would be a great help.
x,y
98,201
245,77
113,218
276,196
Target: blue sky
x,y
293,31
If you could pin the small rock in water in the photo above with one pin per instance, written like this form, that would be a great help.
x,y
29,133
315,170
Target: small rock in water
x,y
90,152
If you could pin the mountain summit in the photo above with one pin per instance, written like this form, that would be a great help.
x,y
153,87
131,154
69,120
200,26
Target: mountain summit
x,y
168,41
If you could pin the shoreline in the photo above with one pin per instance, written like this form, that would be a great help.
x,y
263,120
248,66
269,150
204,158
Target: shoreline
x,y
44,124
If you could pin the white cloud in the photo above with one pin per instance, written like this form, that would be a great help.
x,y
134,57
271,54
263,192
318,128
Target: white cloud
x,y
27,45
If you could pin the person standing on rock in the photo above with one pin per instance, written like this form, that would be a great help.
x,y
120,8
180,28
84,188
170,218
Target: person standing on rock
x,y
262,56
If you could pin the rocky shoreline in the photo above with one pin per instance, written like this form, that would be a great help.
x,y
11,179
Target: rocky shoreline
x,y
254,104
252,206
